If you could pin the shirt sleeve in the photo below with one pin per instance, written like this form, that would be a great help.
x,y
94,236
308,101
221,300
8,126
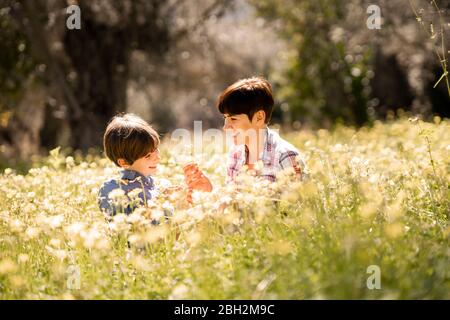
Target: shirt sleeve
x,y
104,202
292,159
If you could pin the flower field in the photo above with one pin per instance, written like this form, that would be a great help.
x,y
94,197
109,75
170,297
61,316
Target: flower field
x,y
376,196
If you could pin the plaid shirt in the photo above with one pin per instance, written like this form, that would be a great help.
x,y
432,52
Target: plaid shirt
x,y
277,155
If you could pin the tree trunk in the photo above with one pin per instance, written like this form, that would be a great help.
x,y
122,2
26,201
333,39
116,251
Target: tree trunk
x,y
100,56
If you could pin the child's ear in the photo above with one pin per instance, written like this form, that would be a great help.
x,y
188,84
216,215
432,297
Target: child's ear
x,y
260,116
122,163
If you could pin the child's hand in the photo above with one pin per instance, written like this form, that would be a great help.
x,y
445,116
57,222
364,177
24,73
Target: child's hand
x,y
195,179
179,188
189,196
169,190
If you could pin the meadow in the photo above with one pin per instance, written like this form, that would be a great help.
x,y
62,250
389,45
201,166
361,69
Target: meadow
x,y
377,196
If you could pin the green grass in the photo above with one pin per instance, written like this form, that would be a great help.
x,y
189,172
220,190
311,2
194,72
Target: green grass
x,y
377,196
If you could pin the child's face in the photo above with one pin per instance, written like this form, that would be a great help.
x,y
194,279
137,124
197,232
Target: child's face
x,y
242,128
146,165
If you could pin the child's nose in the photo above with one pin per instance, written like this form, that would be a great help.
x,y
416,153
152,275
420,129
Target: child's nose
x,y
156,155
226,125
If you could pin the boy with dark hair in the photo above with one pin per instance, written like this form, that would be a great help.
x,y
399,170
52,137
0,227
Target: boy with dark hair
x,y
247,107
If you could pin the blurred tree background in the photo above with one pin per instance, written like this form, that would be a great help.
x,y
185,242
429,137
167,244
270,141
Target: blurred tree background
x,y
339,70
169,60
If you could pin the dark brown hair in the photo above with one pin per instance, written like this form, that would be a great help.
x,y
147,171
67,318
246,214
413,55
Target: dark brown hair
x,y
129,137
247,96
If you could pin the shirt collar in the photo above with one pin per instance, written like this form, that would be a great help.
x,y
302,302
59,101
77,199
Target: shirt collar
x,y
267,147
131,175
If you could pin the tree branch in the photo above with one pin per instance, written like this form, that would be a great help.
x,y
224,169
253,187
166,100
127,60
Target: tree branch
x,y
218,4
